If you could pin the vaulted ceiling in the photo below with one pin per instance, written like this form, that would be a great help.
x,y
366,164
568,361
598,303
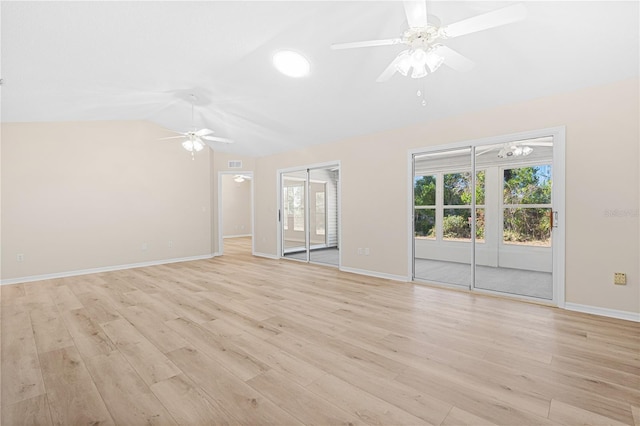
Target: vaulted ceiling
x,y
74,61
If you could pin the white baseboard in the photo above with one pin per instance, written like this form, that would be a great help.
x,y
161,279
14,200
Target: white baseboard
x,y
237,236
605,312
102,269
265,255
375,274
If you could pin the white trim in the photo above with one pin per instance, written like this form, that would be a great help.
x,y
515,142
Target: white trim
x,y
266,255
103,269
375,274
221,237
605,312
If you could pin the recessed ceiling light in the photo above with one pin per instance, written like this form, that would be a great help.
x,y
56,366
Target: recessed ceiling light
x,y
291,63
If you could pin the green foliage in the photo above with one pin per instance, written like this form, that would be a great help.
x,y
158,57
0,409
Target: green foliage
x,y
457,188
456,227
425,191
526,186
425,223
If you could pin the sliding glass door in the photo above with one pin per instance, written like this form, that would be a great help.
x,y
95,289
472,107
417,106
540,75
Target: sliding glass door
x,y
484,217
294,200
309,214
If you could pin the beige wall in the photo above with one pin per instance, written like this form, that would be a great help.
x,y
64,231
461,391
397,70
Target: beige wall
x,y
236,207
88,195
602,138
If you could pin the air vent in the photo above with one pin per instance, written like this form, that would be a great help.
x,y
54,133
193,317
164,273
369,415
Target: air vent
x,y
235,164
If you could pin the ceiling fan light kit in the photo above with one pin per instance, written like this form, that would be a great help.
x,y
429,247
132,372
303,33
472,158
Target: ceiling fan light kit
x,y
514,151
196,140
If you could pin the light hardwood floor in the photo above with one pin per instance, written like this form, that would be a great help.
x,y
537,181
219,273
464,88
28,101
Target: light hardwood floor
x,y
246,340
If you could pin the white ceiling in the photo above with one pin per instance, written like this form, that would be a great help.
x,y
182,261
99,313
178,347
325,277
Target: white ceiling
x,y
68,61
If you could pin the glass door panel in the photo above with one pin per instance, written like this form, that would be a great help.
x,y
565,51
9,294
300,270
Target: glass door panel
x,y
442,195
323,215
294,229
515,255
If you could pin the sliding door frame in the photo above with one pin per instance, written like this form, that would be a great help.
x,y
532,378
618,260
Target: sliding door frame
x,y
559,159
280,213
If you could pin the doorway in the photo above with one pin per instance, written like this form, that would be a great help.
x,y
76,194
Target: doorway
x,y
309,214
488,215
235,208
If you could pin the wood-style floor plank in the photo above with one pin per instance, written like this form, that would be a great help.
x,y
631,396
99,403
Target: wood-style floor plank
x,y
28,412
72,395
244,340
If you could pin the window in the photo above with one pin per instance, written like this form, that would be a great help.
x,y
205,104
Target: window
x,y
527,205
444,200
457,195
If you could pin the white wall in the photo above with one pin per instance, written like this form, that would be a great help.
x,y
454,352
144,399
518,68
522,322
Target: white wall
x,y
602,134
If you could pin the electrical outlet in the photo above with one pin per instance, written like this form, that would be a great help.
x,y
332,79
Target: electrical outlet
x,y
170,244
20,257
366,251
144,246
619,278
360,252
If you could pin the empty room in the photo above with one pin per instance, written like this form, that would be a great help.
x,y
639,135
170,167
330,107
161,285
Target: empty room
x,y
419,212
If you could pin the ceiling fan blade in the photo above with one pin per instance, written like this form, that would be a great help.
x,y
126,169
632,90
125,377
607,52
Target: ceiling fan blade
x,y
172,137
368,43
492,19
389,71
204,132
454,60
217,139
416,11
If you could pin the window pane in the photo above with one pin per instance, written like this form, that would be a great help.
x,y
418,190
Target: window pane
x,y
528,185
530,226
298,208
425,224
320,219
456,224
457,188
424,190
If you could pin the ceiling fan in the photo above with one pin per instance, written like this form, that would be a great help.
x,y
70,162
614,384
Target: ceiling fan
x,y
195,140
425,53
